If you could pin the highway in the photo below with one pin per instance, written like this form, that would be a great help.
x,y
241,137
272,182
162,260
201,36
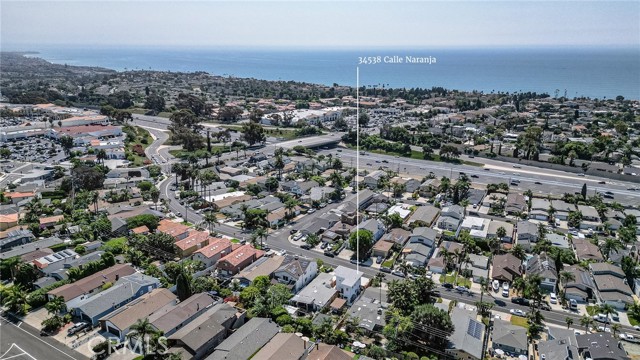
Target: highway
x,y
540,181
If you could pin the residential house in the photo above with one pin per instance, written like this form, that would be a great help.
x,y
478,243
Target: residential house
x,y
372,179
477,267
284,346
509,338
492,231
8,221
296,272
120,321
515,204
425,215
265,266
505,268
558,240
467,340
125,290
562,209
612,285
558,349
373,225
590,218
17,197
177,230
527,234
323,351
211,253
437,262
238,259
247,340
476,226
348,282
196,240
582,289
28,247
14,239
545,267
417,254
424,235
450,218
382,248
171,318
396,236
585,250
410,184
539,209
201,336
298,187
370,309
600,346
317,295
55,261
77,291
50,221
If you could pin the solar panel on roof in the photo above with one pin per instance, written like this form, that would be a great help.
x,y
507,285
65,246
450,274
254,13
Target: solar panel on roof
x,y
474,329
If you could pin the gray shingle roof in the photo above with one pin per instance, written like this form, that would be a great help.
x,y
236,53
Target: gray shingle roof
x,y
468,334
246,340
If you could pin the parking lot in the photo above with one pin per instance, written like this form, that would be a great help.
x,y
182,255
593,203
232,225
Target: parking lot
x,y
35,149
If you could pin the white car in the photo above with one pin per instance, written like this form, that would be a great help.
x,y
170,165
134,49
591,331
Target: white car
x,y
628,337
553,298
605,329
518,312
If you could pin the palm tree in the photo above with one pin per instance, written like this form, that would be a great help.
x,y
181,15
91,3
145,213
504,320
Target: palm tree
x,y
290,205
518,251
155,196
404,268
262,234
55,306
210,219
607,309
12,263
615,328
140,331
586,321
569,322
610,245
16,299
518,284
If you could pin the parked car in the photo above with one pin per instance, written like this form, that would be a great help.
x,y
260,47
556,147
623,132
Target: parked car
x,y
398,273
77,327
305,246
379,260
601,318
553,298
293,231
520,301
447,286
461,289
385,269
328,253
518,312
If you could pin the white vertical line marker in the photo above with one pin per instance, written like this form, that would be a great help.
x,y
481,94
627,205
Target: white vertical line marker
x,y
357,168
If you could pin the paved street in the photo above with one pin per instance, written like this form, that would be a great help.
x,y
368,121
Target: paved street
x,y
20,341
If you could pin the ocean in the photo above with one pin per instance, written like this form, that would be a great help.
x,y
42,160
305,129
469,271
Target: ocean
x,y
596,73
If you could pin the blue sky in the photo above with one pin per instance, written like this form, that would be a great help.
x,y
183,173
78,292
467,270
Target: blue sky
x,y
297,24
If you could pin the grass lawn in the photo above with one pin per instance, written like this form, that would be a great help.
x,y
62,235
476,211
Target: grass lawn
x,y
235,241
389,263
460,281
117,243
633,321
519,321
